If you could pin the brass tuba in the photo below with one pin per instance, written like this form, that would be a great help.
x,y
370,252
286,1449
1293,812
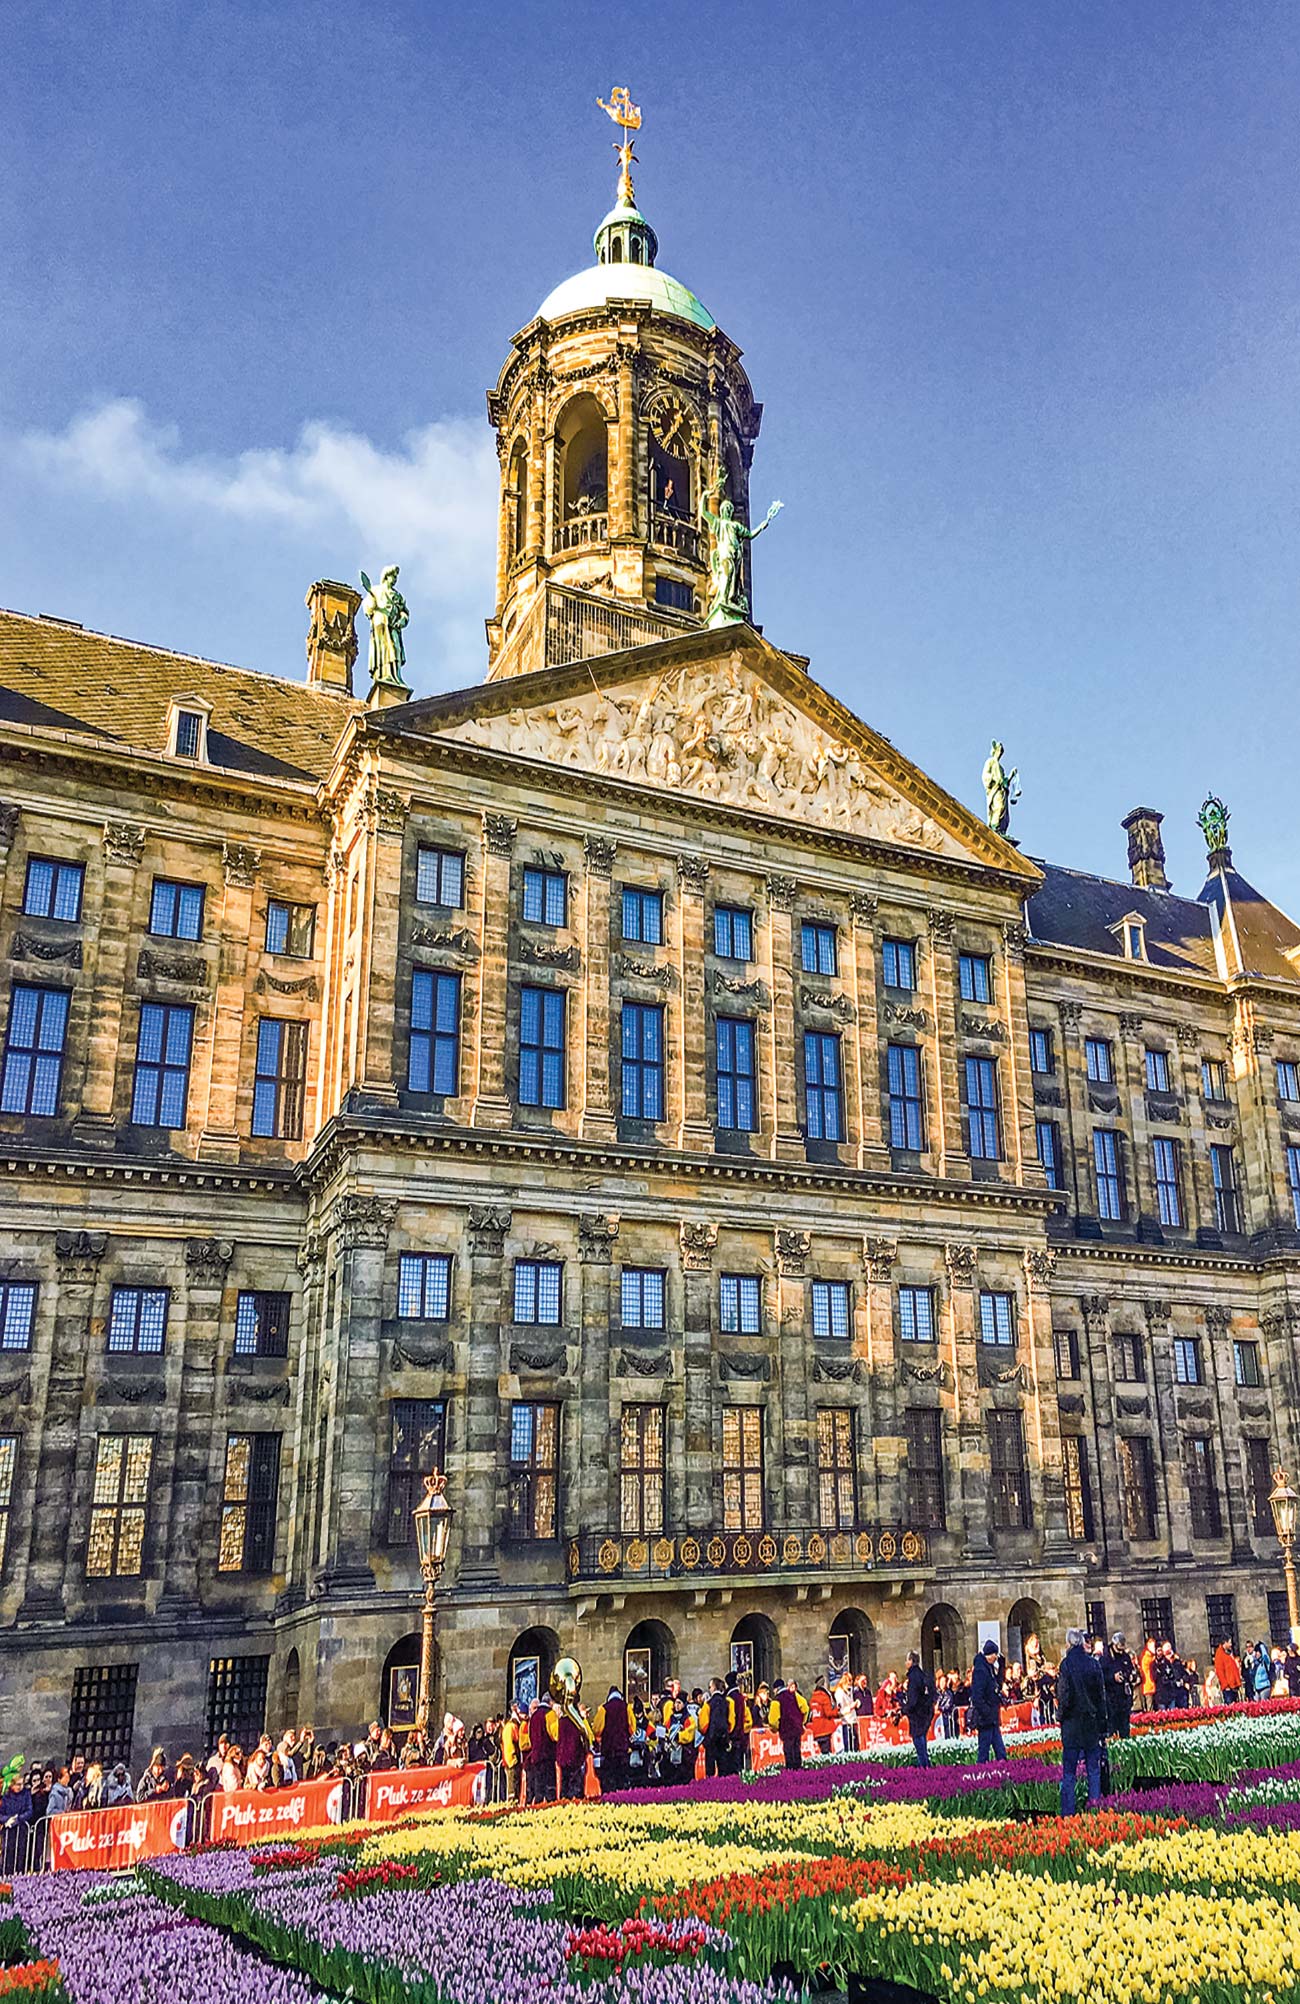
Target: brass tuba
x,y
566,1688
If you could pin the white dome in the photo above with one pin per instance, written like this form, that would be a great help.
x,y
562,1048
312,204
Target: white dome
x,y
601,283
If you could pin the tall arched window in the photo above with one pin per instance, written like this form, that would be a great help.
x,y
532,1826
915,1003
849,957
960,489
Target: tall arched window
x,y
583,480
616,251
519,500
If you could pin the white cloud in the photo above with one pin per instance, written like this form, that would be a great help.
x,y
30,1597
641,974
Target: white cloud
x,y
430,505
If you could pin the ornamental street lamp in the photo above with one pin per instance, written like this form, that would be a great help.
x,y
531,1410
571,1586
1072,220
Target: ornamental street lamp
x,y
1285,1505
432,1516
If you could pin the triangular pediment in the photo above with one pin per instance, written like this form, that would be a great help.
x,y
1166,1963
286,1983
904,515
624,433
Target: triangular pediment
x,y
726,718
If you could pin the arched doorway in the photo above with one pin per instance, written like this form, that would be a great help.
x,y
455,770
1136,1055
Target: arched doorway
x,y
533,1656
755,1651
851,1646
1025,1620
649,1659
943,1639
399,1684
292,1690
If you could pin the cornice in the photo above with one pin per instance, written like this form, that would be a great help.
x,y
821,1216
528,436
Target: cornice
x,y
347,1130
1183,1261
94,1166
155,778
1129,974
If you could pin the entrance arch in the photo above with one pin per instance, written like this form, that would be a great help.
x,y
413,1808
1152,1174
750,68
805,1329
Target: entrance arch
x,y
649,1659
533,1656
851,1645
943,1639
399,1683
1024,1620
756,1634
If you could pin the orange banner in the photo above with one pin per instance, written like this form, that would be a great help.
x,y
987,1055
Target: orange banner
x,y
254,1812
106,1840
398,1790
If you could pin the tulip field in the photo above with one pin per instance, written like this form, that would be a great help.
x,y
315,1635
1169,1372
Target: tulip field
x,y
957,1883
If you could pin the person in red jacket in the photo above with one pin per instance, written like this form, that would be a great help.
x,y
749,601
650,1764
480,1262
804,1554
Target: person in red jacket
x,y
572,1745
541,1753
822,1716
613,1734
786,1717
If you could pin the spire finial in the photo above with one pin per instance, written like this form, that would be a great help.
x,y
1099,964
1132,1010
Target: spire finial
x,y
627,115
1213,824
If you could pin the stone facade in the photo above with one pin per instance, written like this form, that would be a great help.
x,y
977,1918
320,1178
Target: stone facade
x,y
650,1127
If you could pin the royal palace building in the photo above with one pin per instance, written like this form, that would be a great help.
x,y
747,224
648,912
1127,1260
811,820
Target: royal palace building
x,y
796,1221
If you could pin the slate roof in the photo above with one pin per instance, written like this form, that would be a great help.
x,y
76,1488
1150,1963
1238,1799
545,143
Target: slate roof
x,y
56,676
1073,909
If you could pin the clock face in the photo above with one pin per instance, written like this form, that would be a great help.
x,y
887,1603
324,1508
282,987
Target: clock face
x,y
674,426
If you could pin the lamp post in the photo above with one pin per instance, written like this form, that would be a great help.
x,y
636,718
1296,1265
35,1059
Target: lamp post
x,y
1285,1504
432,1516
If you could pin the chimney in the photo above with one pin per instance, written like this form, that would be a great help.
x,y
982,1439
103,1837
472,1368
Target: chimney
x,y
332,635
1146,852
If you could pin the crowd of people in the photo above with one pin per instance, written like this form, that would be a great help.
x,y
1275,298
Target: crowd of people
x,y
533,1752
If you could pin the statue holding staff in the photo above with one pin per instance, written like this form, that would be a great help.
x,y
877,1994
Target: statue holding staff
x,y
388,614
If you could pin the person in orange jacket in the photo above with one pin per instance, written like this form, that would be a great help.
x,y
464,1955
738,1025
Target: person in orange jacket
x,y
822,1716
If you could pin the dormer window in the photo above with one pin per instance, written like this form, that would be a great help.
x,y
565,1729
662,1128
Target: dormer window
x,y
1132,936
187,735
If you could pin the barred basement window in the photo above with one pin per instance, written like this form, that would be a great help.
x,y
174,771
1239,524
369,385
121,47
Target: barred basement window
x,y
101,1717
8,1464
1078,1489
119,1505
424,1287
926,1502
417,1447
1137,1477
837,1483
1158,1619
641,1471
1279,1617
237,1699
17,1314
261,1324
1008,1474
534,1471
1221,1619
1094,1620
248,1503
744,1501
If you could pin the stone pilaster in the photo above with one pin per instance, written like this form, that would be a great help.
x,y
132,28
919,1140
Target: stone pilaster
x,y
486,1228
793,1446
307,1402
77,1257
1131,1080
1109,1502
1044,1444
1076,1135
783,1057
882,1457
947,1140
1198,1186
1168,1439
1019,1139
220,1137
698,1241
360,1226
192,1525
491,1107
385,812
597,1121
590,1504
693,1127
963,1359
1220,1376
864,1046
123,850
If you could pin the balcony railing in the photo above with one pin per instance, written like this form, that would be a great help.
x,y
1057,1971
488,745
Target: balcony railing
x,y
616,1556
581,530
674,532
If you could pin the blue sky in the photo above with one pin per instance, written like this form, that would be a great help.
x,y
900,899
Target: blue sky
x,y
1016,283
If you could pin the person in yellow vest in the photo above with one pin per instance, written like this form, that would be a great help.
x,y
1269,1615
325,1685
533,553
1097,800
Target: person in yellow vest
x,y
786,1716
514,1733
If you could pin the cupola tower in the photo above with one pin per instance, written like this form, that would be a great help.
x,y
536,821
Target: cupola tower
x,y
621,405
